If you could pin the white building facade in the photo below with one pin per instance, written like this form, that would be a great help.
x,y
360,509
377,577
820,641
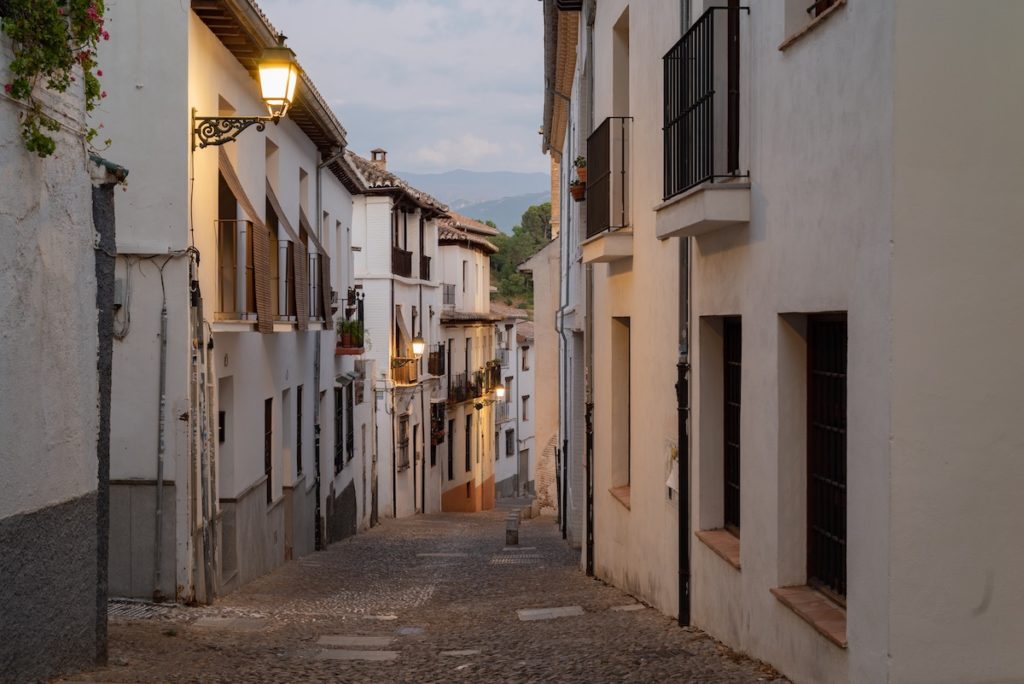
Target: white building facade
x,y
789,237
514,460
226,262
394,247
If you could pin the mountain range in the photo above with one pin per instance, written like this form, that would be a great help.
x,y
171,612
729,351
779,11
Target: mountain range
x,y
499,196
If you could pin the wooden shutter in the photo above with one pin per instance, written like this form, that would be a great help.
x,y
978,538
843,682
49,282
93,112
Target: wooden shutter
x,y
325,289
260,245
301,286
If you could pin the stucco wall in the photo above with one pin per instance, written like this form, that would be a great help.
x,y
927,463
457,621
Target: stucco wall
x,y
956,608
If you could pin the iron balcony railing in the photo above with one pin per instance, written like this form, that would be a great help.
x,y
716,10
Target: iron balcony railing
x,y
702,102
401,262
449,296
504,356
424,267
436,360
461,388
315,278
503,411
236,276
285,281
608,169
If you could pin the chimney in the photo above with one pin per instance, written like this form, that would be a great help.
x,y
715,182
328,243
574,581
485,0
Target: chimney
x,y
379,157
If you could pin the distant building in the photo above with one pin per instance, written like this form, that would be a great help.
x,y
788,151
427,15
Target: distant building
x,y
395,250
514,460
472,369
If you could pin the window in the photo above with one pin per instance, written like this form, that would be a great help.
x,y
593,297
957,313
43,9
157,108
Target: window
x,y
298,430
275,263
339,430
526,358
732,343
469,354
403,442
268,447
621,403
801,15
451,449
350,429
526,407
469,442
510,443
464,269
826,453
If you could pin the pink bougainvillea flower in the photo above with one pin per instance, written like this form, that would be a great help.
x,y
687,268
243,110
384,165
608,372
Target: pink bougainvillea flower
x,y
103,94
106,35
99,72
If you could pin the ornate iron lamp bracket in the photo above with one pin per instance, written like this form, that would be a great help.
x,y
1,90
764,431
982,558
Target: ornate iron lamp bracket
x,y
217,130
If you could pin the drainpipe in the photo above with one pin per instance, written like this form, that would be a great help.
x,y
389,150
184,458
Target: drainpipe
x,y
160,450
683,403
588,104
318,509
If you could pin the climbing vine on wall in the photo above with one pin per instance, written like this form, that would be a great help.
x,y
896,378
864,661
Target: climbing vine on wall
x,y
49,39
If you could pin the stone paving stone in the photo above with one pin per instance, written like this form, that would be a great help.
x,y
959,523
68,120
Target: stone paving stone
x,y
628,607
229,623
460,654
441,555
410,631
527,614
356,641
374,583
357,655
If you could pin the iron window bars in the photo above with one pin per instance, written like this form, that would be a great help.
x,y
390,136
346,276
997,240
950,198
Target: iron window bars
x,y
702,93
608,166
826,453
732,339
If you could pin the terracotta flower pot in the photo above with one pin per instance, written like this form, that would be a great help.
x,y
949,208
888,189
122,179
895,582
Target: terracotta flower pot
x,y
578,192
581,173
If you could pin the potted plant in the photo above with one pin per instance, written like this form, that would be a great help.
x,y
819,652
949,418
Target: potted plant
x,y
344,334
581,168
578,190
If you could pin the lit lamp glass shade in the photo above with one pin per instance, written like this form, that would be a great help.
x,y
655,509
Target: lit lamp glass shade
x,y
278,76
418,345
499,391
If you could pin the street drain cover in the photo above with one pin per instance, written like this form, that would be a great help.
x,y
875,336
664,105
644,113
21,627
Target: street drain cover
x,y
135,610
518,559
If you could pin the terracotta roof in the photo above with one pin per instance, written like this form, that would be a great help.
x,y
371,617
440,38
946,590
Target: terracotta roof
x,y
376,178
507,311
447,235
469,317
524,332
457,220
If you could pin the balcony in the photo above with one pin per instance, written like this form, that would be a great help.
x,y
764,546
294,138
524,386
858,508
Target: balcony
x,y
236,277
609,150
504,356
705,188
449,296
283,281
315,278
401,262
461,388
350,338
436,360
504,412
424,267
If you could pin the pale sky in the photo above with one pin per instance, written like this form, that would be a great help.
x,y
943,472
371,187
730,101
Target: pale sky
x,y
440,84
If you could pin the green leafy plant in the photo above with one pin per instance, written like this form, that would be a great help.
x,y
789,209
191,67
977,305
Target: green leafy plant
x,y
580,162
50,40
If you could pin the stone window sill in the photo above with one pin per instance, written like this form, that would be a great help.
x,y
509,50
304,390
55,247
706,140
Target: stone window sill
x,y
814,23
621,495
816,610
724,543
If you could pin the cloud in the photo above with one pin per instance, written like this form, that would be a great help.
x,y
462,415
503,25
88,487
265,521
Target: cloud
x,y
414,76
465,152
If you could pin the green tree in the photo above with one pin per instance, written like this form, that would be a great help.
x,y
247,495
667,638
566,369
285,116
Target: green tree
x,y
526,240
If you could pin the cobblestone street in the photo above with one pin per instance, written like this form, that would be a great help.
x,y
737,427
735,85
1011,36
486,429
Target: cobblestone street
x,y
430,598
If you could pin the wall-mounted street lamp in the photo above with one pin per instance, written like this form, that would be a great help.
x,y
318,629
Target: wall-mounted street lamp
x,y
499,391
418,346
279,74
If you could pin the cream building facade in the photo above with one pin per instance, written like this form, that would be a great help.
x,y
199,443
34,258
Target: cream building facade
x,y
472,367
790,206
